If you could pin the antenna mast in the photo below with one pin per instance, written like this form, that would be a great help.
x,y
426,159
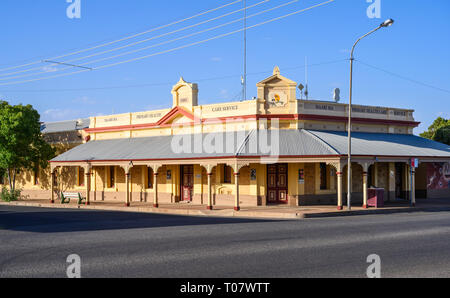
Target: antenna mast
x,y
306,78
244,80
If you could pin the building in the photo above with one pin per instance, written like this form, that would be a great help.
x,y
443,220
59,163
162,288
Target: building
x,y
274,149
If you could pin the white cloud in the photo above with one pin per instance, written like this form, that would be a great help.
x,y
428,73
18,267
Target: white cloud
x,y
50,68
60,114
84,100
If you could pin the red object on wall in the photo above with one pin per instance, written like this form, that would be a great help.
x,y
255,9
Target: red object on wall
x,y
376,197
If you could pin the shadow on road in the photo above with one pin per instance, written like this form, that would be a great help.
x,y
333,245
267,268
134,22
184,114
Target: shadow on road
x,y
52,221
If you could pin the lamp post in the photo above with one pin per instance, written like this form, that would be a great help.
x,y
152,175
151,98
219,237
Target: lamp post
x,y
385,24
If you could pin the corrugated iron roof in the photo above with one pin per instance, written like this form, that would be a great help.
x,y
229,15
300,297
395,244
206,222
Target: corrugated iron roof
x,y
383,144
252,143
64,126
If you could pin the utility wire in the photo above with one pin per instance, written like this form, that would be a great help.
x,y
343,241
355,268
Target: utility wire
x,y
124,46
405,78
154,45
145,40
127,37
171,83
175,49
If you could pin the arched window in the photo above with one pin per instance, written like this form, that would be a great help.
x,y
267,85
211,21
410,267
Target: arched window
x,y
80,176
112,174
227,173
149,178
36,176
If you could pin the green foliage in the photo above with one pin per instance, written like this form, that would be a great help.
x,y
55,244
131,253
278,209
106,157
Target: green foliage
x,y
439,123
22,146
442,135
9,195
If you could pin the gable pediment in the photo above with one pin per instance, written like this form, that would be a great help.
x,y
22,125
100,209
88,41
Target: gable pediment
x,y
176,115
276,79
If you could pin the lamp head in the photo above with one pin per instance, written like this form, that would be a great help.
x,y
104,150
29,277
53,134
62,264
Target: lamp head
x,y
387,23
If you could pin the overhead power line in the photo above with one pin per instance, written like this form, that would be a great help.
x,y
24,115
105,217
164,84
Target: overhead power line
x,y
126,37
66,62
171,83
175,49
405,78
154,45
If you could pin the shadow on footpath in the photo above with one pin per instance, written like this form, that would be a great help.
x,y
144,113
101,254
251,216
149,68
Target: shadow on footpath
x,y
41,220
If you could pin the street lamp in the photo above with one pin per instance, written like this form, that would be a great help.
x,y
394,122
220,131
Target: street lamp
x,y
385,24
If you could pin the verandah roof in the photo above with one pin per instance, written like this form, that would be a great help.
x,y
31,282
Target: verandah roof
x,y
289,143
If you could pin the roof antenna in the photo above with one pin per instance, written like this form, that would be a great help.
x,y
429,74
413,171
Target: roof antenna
x,y
306,78
244,78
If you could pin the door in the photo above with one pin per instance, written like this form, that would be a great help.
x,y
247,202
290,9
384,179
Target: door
x,y
187,183
277,184
399,181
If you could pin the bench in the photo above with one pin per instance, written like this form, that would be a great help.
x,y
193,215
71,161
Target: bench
x,y
66,196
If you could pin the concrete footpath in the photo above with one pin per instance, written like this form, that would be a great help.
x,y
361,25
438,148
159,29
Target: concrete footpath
x,y
267,212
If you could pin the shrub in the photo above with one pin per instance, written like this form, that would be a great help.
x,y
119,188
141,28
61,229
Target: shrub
x,y
9,196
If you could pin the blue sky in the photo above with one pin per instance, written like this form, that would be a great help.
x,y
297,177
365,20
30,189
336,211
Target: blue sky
x,y
416,47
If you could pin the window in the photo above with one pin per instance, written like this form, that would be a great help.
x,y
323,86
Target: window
x,y
149,177
80,176
370,177
112,174
323,176
227,174
36,176
2,177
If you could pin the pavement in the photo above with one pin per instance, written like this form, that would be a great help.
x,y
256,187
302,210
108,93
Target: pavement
x,y
35,242
270,212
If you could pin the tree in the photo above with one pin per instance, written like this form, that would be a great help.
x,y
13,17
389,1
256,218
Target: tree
x,y
442,135
439,124
22,146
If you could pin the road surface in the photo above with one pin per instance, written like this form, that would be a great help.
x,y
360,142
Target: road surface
x,y
35,242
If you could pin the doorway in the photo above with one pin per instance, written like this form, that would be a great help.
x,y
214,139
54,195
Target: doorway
x,y
277,184
187,183
399,181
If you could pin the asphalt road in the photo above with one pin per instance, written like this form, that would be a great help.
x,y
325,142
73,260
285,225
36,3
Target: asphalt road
x,y
35,242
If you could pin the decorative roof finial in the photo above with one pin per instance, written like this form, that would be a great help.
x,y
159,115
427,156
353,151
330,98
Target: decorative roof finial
x,y
276,70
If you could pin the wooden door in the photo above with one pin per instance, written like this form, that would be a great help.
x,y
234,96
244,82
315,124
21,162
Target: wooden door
x,y
398,180
277,184
187,183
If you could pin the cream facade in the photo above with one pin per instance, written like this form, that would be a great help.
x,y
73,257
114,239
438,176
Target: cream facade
x,y
311,176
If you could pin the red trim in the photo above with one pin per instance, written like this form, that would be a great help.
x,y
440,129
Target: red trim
x,y
88,203
248,157
357,120
338,173
163,122
237,208
127,204
155,205
52,201
365,207
209,207
173,113
340,208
